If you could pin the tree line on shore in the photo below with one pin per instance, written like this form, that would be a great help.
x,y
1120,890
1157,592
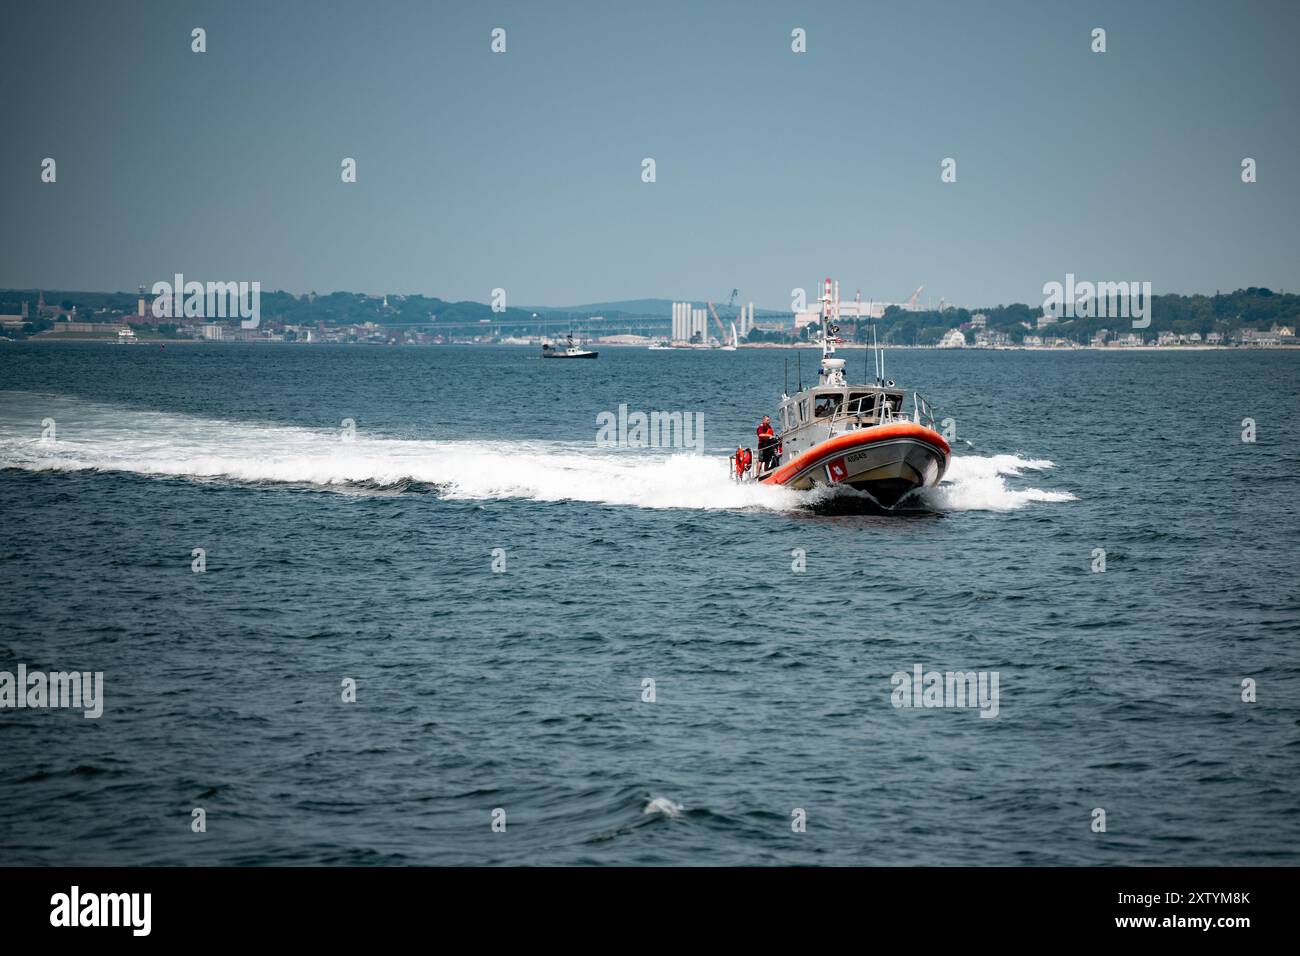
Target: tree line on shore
x,y
1227,313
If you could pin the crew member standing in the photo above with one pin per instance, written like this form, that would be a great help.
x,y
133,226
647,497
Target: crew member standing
x,y
766,445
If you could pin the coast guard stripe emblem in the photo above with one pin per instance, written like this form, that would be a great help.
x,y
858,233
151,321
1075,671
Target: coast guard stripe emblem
x,y
836,470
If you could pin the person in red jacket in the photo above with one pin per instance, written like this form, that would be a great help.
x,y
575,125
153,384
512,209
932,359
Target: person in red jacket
x,y
739,459
749,460
766,445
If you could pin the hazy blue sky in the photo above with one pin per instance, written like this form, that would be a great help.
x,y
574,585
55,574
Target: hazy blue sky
x,y
523,170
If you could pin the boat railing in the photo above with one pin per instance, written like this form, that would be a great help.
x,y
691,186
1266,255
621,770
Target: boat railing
x,y
922,413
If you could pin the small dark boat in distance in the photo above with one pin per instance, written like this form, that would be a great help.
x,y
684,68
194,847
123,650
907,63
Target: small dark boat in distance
x,y
571,350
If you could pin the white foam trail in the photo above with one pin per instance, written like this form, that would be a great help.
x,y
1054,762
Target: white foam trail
x,y
976,483
107,438
663,805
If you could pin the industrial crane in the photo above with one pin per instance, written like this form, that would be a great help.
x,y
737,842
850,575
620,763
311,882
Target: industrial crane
x,y
731,308
722,332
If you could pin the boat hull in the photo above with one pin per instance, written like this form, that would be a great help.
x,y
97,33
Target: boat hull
x,y
554,354
887,462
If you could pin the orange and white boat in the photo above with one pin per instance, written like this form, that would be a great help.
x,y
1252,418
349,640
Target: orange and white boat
x,y
859,436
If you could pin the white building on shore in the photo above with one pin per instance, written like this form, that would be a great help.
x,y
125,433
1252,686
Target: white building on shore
x,y
745,321
848,310
688,322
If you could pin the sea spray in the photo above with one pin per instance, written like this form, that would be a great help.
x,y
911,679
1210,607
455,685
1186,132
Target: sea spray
x,y
102,437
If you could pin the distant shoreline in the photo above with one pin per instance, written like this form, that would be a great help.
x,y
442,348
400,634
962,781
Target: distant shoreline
x,y
83,339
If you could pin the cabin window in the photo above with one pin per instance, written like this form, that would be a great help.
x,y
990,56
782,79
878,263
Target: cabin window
x,y
827,405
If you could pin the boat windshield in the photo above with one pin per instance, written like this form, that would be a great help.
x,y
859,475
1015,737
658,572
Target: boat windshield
x,y
827,405
860,402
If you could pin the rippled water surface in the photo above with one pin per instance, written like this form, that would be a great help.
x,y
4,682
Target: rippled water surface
x,y
522,690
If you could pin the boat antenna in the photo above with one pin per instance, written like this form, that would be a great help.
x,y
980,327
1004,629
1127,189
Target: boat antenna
x,y
798,369
830,318
875,352
827,317
787,375
857,323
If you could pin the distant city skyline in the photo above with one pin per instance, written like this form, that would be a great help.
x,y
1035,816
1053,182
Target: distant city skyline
x,y
523,170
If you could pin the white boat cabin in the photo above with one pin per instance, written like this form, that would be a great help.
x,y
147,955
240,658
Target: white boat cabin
x,y
821,412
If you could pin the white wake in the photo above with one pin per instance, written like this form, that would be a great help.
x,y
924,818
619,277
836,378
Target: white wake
x,y
94,437
978,483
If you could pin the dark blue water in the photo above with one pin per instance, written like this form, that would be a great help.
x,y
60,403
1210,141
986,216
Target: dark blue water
x,y
522,690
